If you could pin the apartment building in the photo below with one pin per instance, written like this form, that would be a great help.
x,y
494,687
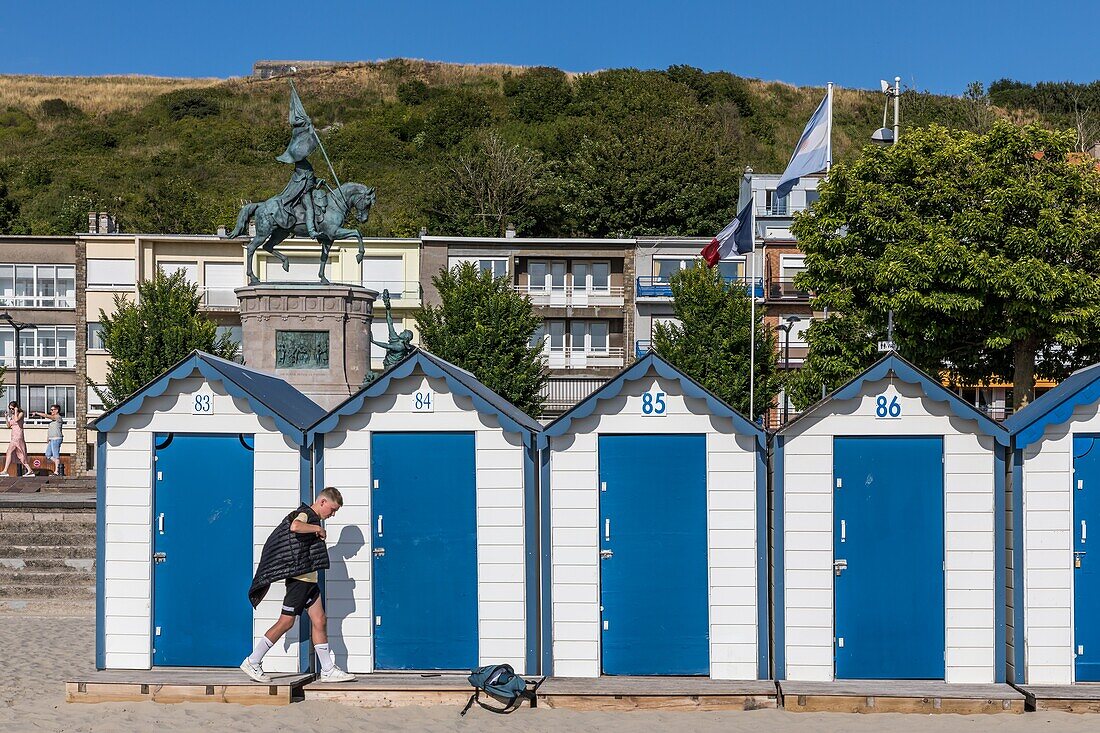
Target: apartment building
x,y
583,289
41,299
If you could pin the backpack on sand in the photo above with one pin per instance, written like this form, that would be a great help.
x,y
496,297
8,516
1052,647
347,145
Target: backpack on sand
x,y
500,682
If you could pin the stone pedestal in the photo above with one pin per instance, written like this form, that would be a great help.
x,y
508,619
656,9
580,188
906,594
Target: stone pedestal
x,y
317,337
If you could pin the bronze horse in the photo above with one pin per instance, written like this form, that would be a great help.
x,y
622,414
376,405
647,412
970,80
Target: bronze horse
x,y
268,235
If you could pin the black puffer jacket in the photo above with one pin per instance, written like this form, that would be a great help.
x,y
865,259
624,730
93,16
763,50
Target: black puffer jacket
x,y
287,554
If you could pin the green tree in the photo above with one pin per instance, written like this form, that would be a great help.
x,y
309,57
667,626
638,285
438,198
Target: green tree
x,y
985,246
538,93
840,346
485,327
10,222
146,337
711,343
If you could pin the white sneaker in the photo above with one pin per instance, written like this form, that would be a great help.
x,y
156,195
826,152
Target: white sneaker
x,y
29,473
337,675
255,671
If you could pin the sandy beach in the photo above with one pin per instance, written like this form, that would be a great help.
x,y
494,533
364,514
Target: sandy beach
x,y
42,650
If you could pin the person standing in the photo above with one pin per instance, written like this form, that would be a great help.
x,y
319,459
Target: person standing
x,y
295,551
17,445
53,436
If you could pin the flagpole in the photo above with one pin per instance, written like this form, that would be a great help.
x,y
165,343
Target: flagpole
x,y
829,158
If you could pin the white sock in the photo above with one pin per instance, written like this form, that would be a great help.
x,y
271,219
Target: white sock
x,y
324,654
263,644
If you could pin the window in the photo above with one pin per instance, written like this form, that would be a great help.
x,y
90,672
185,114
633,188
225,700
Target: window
x,y
190,270
798,331
380,331
592,276
789,267
384,273
732,270
221,279
589,336
44,346
777,205
95,337
38,398
665,267
95,403
811,197
536,272
235,334
552,333
111,273
38,286
496,265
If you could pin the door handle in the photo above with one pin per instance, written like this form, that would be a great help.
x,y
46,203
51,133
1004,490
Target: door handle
x,y
160,523
1082,531
607,529
843,531
379,525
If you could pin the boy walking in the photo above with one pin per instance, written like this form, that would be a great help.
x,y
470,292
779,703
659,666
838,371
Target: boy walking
x,y
294,552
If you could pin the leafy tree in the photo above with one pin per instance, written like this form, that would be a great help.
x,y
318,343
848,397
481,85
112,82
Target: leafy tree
x,y
711,343
9,213
454,116
985,246
537,94
147,337
485,327
840,346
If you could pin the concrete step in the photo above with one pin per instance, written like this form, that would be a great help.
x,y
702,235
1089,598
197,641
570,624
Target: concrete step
x,y
76,536
24,551
31,527
67,591
52,579
46,607
66,565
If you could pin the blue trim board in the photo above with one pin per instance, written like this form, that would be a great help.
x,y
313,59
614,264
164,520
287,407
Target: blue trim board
x,y
305,480
266,395
459,382
778,610
101,550
896,367
545,569
532,593
762,635
999,648
1055,406
1018,610
638,370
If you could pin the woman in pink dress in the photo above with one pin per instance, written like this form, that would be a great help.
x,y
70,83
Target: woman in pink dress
x,y
17,447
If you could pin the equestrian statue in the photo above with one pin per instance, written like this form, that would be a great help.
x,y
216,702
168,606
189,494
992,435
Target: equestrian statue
x,y
307,207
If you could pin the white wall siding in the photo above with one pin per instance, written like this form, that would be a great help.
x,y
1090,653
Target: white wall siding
x,y
129,514
731,523
1048,550
969,528
501,507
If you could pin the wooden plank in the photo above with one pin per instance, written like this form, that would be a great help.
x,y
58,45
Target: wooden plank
x,y
923,705
900,688
1068,706
658,686
398,682
96,692
658,702
388,699
198,676
1080,691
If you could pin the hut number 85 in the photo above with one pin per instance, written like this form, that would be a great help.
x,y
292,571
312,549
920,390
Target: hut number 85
x,y
885,409
653,403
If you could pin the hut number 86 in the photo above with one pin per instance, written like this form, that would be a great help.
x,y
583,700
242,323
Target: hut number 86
x,y
884,409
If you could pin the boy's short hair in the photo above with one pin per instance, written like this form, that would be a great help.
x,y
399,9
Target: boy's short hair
x,y
58,408
332,494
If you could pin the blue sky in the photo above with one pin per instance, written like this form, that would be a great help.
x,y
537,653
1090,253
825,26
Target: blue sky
x,y
938,45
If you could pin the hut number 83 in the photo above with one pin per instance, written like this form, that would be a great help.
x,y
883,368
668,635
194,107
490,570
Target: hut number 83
x,y
887,409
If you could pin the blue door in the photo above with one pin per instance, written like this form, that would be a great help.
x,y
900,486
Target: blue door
x,y
425,550
653,550
888,550
202,545
1086,574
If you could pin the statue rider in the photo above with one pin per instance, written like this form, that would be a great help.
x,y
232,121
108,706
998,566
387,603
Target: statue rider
x,y
303,182
400,344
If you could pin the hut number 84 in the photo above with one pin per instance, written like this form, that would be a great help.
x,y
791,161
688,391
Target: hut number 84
x,y
884,409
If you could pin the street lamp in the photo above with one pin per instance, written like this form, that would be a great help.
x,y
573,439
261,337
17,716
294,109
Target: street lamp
x,y
18,327
786,329
884,135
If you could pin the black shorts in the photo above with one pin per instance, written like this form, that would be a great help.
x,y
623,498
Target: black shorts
x,y
300,595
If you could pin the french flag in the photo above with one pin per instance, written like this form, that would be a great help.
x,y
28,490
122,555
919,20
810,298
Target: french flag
x,y
735,236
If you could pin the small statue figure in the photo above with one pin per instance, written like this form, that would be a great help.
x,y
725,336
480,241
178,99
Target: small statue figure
x,y
400,344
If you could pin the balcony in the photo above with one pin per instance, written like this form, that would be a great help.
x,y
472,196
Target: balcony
x,y
219,298
561,393
784,289
39,362
569,296
570,358
405,291
649,286
38,301
641,346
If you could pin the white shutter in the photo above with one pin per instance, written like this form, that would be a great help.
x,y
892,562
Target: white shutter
x,y
190,270
221,279
384,273
109,273
302,270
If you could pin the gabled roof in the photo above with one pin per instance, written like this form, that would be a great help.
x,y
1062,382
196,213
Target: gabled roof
x,y
265,394
895,366
1054,407
638,370
459,381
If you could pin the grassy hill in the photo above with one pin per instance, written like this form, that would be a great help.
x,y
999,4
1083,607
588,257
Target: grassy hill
x,y
459,149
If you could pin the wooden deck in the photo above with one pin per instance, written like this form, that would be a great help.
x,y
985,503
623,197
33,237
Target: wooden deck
x,y
899,696
1083,697
666,693
392,690
182,684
